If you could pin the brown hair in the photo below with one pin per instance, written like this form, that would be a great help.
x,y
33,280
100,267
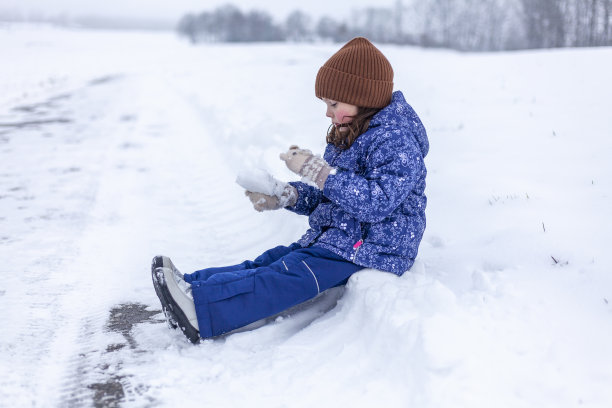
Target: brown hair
x,y
358,125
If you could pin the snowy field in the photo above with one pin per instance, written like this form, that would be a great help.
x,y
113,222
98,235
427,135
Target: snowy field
x,y
115,147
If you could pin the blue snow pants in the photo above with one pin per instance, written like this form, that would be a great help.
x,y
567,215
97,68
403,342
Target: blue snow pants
x,y
230,297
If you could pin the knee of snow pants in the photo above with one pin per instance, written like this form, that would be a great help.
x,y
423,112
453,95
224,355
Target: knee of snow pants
x,y
271,255
233,299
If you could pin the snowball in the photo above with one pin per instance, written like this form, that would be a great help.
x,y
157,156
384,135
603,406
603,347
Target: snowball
x,y
260,181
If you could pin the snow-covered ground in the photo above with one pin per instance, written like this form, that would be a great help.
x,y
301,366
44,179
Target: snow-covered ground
x,y
117,146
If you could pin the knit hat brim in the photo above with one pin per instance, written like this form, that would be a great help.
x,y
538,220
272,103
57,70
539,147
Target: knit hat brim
x,y
352,89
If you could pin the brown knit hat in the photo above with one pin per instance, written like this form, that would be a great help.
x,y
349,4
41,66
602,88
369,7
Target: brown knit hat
x,y
358,74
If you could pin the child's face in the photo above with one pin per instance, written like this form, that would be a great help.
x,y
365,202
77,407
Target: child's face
x,y
340,112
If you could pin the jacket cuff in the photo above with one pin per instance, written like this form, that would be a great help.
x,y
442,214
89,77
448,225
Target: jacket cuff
x,y
307,198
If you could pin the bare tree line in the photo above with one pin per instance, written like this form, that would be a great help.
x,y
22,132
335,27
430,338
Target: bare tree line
x,y
470,25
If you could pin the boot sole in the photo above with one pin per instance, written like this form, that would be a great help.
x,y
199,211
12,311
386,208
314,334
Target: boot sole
x,y
170,318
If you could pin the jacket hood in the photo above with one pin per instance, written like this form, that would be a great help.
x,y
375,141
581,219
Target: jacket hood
x,y
400,114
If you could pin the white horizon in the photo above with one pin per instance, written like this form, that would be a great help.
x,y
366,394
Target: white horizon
x,y
162,10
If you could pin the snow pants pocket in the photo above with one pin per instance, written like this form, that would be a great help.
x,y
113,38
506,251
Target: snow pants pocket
x,y
230,289
219,307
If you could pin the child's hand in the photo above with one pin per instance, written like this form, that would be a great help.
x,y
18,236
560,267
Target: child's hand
x,y
284,197
263,202
307,165
295,157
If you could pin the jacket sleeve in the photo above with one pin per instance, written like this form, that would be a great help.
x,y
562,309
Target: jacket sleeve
x,y
393,167
307,199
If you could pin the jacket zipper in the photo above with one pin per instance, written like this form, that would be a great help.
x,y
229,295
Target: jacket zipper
x,y
356,248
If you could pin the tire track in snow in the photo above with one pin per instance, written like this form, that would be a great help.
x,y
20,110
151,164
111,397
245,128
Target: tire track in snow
x,y
95,368
38,278
97,373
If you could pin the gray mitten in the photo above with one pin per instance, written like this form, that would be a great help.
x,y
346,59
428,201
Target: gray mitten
x,y
264,202
307,165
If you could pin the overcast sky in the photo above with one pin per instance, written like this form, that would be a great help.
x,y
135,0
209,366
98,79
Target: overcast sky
x,y
174,9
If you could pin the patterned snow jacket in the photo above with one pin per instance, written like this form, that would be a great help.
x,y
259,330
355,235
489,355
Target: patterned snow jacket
x,y
372,211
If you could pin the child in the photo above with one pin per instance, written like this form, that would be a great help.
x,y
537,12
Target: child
x,y
365,201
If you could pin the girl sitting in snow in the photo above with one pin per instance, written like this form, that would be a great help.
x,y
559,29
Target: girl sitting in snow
x,y
365,201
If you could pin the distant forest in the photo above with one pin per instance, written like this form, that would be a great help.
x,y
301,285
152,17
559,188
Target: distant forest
x,y
468,25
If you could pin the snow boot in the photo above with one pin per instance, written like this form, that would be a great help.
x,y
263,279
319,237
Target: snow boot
x,y
177,302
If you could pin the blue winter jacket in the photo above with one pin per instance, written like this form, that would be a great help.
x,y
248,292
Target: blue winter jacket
x,y
372,210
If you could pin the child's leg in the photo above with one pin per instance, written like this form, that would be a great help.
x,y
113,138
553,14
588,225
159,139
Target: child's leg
x,y
264,259
227,301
